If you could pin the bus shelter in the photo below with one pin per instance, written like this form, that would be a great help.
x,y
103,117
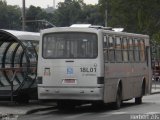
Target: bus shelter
x,y
18,63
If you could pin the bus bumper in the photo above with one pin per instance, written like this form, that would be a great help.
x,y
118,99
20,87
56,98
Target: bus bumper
x,y
70,93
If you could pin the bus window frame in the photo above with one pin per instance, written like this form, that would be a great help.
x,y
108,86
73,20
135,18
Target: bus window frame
x,y
51,33
113,38
137,61
125,38
131,49
128,48
105,49
144,51
121,50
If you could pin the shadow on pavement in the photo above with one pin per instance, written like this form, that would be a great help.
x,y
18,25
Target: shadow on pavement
x,y
88,108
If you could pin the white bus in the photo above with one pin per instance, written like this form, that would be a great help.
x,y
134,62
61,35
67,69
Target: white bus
x,y
77,65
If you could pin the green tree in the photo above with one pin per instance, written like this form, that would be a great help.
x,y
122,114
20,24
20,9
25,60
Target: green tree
x,y
10,16
138,16
14,17
3,15
92,15
67,13
76,11
35,19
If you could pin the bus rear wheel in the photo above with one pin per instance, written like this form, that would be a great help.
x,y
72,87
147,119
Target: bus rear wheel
x,y
117,104
138,100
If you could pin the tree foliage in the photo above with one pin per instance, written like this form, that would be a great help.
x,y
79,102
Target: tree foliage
x,y
138,16
36,17
10,16
76,11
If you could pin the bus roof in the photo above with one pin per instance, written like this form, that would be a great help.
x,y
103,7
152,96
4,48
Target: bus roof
x,y
90,29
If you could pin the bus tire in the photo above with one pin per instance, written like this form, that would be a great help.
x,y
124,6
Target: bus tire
x,y
138,100
117,104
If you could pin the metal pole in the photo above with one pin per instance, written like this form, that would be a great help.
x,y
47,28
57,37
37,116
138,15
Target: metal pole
x,y
23,15
12,80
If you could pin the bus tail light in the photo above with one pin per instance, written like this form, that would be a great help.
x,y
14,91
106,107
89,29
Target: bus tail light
x,y
47,72
100,80
39,80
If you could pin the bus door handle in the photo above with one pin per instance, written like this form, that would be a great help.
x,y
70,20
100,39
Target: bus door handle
x,y
69,61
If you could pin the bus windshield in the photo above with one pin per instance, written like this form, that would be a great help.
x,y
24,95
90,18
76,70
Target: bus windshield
x,y
70,45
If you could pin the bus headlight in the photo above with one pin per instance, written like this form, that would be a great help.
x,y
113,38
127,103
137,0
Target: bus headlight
x,y
100,80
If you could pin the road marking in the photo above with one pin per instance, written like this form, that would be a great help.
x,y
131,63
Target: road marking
x,y
152,113
118,113
46,111
112,113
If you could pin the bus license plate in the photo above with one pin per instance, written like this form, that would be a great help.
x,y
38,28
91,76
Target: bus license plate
x,y
69,81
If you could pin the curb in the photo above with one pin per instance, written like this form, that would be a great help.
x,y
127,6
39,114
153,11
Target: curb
x,y
38,109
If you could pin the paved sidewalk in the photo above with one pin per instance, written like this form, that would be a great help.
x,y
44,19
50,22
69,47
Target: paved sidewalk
x,y
7,107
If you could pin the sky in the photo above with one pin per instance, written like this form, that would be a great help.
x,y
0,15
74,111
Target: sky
x,y
43,3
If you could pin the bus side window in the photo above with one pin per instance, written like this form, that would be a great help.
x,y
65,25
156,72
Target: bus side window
x,y
105,42
105,48
125,50
136,50
131,50
118,49
142,51
111,49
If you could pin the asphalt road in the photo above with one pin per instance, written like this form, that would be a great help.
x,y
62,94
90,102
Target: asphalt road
x,y
149,110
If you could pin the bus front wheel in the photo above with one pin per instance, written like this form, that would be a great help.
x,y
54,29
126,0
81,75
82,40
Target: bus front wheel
x,y
138,100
